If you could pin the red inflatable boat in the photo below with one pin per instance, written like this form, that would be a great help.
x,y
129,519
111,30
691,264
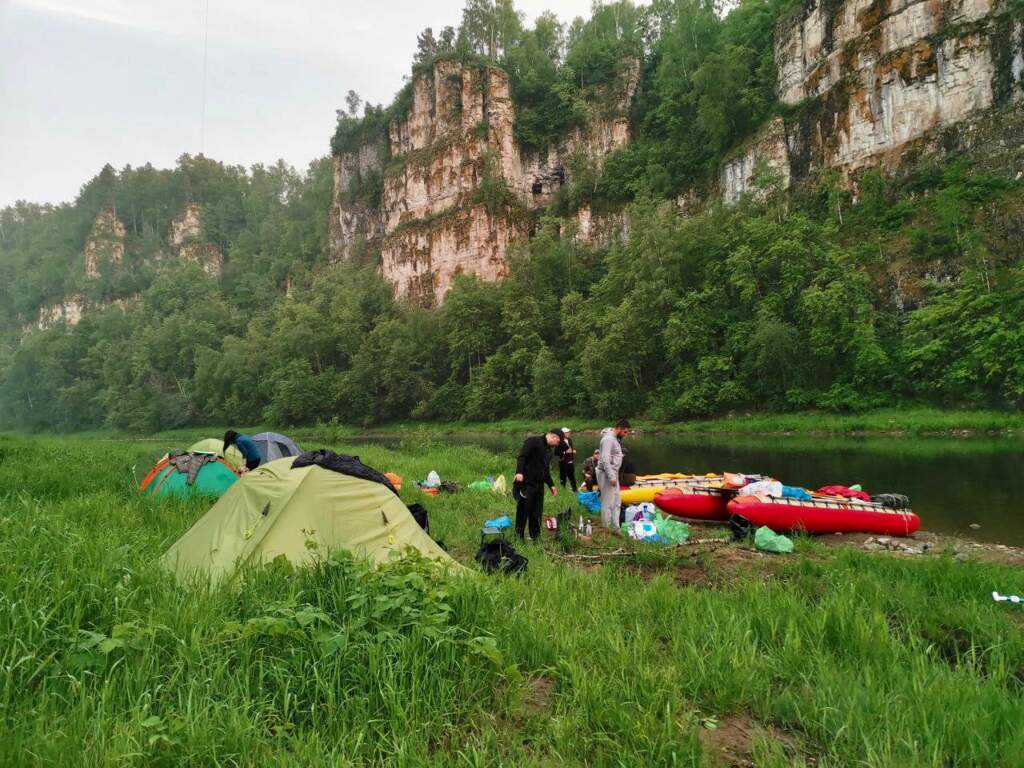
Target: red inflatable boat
x,y
824,515
695,502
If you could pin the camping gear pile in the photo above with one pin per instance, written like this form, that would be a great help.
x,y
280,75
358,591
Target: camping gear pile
x,y
434,485
645,523
831,509
753,501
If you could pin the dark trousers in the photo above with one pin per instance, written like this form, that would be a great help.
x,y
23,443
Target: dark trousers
x,y
529,508
251,464
567,472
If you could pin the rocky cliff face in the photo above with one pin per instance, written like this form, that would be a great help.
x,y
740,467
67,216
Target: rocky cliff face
x,y
186,238
876,82
104,248
864,83
456,187
104,252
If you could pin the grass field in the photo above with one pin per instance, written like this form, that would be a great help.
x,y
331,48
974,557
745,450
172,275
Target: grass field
x,y
829,657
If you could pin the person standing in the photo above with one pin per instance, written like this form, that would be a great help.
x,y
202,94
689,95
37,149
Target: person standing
x,y
532,474
566,453
609,463
245,446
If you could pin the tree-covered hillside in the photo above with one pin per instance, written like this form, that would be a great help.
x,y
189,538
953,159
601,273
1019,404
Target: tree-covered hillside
x,y
910,291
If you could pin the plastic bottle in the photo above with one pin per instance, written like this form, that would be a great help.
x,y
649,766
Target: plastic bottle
x,y
589,530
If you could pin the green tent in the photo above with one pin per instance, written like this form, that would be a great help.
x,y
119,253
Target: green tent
x,y
301,514
212,479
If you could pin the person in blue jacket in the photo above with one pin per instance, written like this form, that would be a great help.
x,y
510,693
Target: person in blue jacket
x,y
245,446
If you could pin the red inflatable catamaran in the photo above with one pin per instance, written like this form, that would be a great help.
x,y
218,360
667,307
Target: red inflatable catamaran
x,y
824,515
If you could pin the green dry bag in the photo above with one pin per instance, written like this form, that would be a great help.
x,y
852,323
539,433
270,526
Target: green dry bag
x,y
768,540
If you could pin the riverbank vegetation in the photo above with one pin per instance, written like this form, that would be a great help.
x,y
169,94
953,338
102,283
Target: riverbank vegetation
x,y
829,657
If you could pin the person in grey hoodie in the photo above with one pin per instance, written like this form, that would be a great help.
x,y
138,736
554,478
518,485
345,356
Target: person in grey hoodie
x,y
608,464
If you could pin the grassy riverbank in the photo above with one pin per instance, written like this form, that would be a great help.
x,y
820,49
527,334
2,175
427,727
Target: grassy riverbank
x,y
890,422
896,422
924,421
653,657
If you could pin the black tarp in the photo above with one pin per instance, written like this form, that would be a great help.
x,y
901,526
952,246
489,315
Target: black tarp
x,y
342,464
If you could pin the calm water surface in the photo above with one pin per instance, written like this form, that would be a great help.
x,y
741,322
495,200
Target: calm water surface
x,y
951,482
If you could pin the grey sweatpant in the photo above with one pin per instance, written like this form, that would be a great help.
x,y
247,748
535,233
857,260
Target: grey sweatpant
x,y
611,503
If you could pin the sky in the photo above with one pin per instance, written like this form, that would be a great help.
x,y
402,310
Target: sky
x,y
89,82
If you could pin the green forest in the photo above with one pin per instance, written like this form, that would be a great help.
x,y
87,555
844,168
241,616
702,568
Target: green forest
x,y
909,292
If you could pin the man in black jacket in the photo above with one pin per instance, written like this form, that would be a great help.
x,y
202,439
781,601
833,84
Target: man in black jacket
x,y
532,474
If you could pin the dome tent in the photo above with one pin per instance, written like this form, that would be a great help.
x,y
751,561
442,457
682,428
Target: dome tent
x,y
301,512
188,474
273,445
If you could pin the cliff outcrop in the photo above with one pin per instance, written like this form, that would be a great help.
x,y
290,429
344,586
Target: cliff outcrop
x,y
187,240
879,82
860,83
103,255
104,247
456,190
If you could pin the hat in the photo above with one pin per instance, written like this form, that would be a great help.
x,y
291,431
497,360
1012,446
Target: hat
x,y
566,429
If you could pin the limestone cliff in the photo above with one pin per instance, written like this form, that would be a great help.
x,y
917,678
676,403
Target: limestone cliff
x,y
877,82
456,187
186,238
861,83
104,252
104,248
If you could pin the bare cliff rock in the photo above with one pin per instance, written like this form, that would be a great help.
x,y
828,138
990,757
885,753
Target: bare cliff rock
x,y
457,138
878,82
186,238
456,189
104,248
862,83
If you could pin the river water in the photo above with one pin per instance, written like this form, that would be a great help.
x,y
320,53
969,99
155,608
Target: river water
x,y
951,482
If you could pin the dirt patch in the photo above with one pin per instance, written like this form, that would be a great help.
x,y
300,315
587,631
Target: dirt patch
x,y
537,693
731,743
691,577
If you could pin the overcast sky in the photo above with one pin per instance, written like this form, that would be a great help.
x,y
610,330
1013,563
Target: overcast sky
x,y
88,82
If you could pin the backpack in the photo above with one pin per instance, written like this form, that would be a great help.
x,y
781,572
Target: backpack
x,y
419,514
498,556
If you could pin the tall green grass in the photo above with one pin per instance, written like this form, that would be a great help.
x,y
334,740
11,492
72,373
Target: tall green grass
x,y
106,660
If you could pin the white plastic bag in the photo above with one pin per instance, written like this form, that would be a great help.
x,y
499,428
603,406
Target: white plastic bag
x,y
763,488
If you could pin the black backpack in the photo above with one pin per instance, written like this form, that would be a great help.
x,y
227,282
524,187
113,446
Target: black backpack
x,y
498,556
419,514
